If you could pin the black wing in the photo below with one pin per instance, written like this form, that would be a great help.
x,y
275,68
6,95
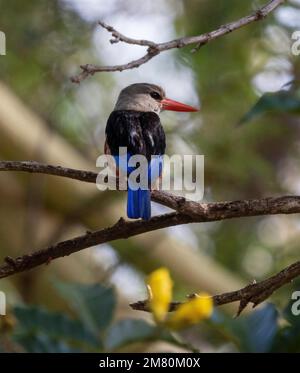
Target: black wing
x,y
141,132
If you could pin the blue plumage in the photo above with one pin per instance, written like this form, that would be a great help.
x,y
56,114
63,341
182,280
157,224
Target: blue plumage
x,y
138,204
138,199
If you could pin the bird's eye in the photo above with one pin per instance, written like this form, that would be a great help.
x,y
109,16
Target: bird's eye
x,y
155,95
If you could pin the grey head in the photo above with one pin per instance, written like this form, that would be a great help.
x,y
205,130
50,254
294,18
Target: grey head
x,y
141,97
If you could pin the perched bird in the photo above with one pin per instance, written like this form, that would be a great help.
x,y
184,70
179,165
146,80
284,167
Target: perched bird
x,y
135,124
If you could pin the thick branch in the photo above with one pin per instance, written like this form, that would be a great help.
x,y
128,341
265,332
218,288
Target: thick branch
x,y
187,212
199,212
254,293
155,48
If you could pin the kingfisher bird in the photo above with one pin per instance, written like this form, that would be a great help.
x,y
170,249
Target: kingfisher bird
x,y
135,124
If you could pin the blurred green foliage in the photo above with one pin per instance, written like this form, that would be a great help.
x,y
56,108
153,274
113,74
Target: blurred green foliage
x,y
277,102
247,161
39,330
92,329
46,43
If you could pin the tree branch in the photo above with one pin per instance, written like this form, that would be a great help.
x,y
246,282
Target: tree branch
x,y
42,168
156,48
199,212
254,293
122,229
187,212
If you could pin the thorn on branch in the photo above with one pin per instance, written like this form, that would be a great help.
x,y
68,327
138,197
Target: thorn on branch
x,y
120,222
243,304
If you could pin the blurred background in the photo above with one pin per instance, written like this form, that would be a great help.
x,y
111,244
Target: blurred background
x,y
45,117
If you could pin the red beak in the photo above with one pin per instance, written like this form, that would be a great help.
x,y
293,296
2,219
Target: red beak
x,y
168,104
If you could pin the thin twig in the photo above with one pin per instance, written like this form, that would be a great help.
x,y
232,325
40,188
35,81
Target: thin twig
x,y
117,36
254,293
155,48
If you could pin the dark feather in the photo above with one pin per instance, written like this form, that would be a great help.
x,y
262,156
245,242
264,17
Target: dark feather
x,y
141,132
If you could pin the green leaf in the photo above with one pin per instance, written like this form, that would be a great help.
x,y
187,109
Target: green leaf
x,y
94,304
35,322
128,331
254,332
41,342
278,102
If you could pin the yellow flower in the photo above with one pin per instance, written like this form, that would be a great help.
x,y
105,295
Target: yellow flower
x,y
160,289
192,312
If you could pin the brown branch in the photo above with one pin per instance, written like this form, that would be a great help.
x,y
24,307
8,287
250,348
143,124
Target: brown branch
x,y
122,229
187,212
254,293
117,36
200,212
155,48
42,168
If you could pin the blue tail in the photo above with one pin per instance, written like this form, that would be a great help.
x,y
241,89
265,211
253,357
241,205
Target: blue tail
x,y
139,200
138,204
